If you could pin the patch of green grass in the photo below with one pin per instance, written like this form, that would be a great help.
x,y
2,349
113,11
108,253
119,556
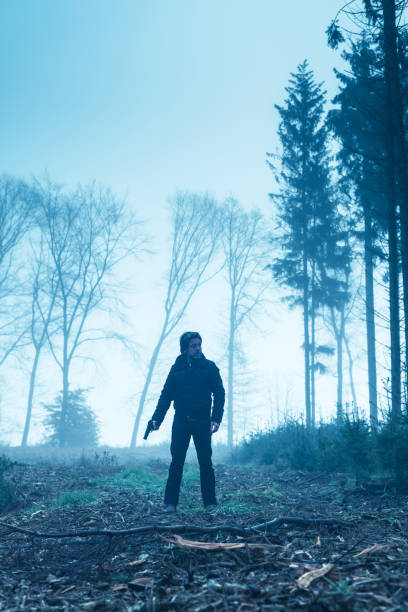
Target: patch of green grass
x,y
139,477
84,497
188,510
191,475
272,492
350,482
235,504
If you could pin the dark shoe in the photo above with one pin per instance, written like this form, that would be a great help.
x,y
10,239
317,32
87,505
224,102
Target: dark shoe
x,y
210,507
170,509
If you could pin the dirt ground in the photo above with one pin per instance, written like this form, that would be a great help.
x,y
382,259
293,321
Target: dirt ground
x,y
358,566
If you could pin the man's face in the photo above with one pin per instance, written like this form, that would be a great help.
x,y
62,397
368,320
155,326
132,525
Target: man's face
x,y
194,348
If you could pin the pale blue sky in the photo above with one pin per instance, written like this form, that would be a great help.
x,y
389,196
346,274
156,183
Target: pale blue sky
x,y
148,96
151,95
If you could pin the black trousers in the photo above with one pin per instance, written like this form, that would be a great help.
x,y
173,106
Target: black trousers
x,y
183,429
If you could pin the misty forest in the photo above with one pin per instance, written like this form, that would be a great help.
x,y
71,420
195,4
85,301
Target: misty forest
x,y
294,381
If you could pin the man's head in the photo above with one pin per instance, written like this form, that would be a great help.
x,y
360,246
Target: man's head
x,y
190,344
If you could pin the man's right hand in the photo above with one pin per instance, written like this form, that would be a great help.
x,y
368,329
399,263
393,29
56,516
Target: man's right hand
x,y
155,425
214,427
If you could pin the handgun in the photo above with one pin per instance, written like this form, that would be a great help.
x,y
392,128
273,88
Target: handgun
x,y
149,428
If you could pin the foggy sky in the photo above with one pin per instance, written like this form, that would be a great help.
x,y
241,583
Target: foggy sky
x,y
148,97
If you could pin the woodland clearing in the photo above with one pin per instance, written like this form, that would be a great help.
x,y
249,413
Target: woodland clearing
x,y
196,561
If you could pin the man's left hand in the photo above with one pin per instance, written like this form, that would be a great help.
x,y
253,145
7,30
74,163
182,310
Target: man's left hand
x,y
214,427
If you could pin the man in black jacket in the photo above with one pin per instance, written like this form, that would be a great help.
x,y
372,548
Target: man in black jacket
x,y
194,385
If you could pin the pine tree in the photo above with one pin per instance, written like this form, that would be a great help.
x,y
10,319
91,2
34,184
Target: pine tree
x,y
335,282
358,124
304,207
385,21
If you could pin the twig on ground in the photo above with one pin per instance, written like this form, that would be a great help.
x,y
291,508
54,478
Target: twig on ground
x,y
275,523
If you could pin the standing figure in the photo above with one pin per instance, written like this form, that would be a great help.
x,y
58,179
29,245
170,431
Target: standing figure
x,y
194,385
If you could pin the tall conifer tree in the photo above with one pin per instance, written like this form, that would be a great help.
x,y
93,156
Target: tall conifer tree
x,y
385,21
357,123
304,209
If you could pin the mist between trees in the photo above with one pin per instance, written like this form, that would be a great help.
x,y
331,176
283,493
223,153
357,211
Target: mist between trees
x,y
336,239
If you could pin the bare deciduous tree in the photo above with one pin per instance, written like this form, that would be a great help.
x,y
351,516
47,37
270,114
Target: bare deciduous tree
x,y
197,228
88,233
16,204
43,296
245,257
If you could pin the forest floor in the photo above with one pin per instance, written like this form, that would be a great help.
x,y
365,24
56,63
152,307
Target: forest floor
x,y
361,565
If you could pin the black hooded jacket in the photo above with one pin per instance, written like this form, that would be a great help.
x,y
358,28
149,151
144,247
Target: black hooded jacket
x,y
191,385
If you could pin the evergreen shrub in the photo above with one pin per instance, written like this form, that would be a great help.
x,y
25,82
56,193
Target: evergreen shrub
x,y
350,446
79,428
392,445
7,491
329,447
328,454
358,445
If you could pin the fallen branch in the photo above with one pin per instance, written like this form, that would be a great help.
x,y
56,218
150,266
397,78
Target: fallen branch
x,y
306,580
269,525
301,522
183,543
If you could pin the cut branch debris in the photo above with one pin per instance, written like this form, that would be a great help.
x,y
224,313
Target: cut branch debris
x,y
269,525
306,580
183,543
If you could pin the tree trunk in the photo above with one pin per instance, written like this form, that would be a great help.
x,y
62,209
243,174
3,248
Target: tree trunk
x,y
395,341
152,364
351,377
30,397
231,347
64,407
391,74
65,389
339,342
394,312
339,408
313,354
370,317
312,369
307,341
399,150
